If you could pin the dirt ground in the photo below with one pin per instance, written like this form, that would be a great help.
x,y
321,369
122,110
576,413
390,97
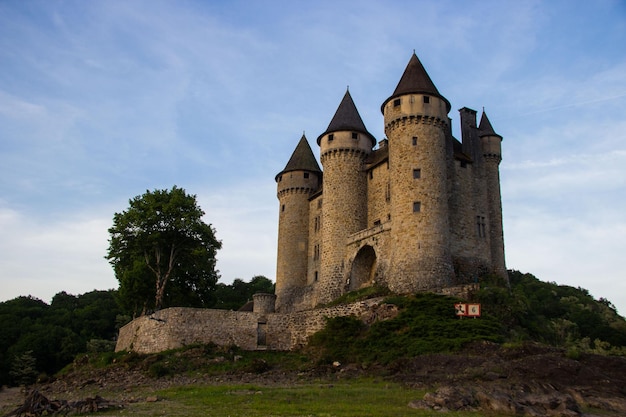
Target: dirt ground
x,y
596,381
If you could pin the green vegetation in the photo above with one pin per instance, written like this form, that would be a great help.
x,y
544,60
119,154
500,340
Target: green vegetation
x,y
237,294
52,335
553,314
163,253
425,324
527,310
71,325
342,398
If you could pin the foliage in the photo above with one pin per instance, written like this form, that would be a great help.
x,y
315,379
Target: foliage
x,y
354,397
24,369
235,295
426,324
557,315
163,253
52,334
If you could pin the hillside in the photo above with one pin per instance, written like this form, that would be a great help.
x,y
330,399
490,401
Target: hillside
x,y
535,341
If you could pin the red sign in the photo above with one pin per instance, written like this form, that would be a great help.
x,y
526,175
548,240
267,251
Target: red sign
x,y
473,310
468,310
460,309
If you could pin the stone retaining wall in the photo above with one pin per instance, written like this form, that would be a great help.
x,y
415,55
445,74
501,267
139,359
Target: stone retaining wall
x,y
176,327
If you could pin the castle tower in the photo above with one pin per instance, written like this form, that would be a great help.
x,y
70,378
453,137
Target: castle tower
x,y
492,153
343,148
301,177
416,122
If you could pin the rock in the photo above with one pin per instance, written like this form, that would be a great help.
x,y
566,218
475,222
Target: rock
x,y
152,399
527,401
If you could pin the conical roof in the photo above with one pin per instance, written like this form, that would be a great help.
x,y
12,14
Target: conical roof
x,y
347,118
302,159
415,80
485,128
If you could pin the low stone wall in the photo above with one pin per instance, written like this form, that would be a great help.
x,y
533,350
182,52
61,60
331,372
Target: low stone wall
x,y
176,327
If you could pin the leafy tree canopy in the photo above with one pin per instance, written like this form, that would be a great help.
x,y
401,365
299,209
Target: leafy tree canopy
x,y
37,338
163,253
234,296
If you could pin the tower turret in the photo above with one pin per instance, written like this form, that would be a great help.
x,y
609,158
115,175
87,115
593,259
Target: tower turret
x,y
301,177
492,154
416,124
344,146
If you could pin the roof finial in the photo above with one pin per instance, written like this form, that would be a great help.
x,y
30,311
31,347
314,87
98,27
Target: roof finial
x,y
348,87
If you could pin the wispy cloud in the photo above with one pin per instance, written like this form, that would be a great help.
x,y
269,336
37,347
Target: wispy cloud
x,y
100,101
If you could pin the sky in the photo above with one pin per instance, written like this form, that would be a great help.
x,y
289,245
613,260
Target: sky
x,y
101,101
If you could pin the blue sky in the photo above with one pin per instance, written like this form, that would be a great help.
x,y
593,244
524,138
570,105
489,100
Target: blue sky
x,y
103,100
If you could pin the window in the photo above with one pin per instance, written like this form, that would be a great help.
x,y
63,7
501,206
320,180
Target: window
x,y
331,137
417,207
480,226
417,173
306,175
388,193
426,99
315,278
376,222
397,102
282,208
316,252
319,203
414,140
318,224
355,135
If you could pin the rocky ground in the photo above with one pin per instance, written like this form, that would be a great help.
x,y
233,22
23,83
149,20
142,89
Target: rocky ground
x,y
528,380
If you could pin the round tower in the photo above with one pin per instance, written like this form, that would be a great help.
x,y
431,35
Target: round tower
x,y
416,123
344,146
491,144
300,178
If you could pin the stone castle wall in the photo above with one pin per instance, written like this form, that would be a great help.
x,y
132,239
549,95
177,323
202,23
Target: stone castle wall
x,y
176,327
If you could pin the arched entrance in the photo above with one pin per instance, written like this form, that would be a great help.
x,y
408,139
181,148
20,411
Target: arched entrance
x,y
363,268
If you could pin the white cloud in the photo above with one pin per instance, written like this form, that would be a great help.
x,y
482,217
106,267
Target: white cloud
x,y
42,258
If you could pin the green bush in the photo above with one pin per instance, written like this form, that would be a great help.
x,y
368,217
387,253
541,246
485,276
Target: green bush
x,y
426,324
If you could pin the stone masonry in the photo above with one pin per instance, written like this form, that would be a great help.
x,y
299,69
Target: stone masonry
x,y
417,211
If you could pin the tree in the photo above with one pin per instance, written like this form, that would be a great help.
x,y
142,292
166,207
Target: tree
x,y
235,295
162,239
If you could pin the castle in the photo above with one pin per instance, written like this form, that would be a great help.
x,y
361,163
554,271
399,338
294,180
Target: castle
x,y
419,211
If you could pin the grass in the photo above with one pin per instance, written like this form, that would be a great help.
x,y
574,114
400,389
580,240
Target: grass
x,y
360,397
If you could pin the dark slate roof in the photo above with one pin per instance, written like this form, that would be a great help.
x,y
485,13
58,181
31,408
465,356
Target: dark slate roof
x,y
485,128
415,80
302,159
347,118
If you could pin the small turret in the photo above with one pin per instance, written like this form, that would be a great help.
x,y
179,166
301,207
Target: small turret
x,y
490,140
492,153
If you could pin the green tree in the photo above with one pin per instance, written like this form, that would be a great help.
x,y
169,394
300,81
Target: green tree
x,y
24,369
160,241
235,295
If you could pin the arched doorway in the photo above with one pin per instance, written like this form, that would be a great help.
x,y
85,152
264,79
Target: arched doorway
x,y
363,268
